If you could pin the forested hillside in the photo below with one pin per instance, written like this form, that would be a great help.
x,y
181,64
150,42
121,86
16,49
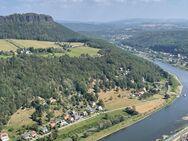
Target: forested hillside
x,y
36,27
25,77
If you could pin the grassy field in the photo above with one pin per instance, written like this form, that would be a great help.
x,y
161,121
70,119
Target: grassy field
x,y
20,119
115,100
77,49
6,46
76,52
35,44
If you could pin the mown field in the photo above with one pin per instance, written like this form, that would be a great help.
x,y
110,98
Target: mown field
x,y
77,49
6,46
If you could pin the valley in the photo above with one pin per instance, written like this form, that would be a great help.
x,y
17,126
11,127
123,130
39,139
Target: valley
x,y
56,87
93,70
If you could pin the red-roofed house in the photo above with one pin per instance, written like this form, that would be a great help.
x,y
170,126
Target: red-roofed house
x,y
4,137
33,134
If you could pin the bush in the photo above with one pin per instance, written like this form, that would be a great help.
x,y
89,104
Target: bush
x,y
131,111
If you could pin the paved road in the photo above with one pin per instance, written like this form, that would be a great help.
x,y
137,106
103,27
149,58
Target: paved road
x,y
179,135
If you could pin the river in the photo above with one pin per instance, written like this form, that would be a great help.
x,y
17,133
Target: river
x,y
163,122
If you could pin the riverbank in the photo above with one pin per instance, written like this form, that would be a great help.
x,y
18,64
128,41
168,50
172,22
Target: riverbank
x,y
106,132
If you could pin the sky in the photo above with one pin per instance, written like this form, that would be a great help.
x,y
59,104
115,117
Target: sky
x,y
99,10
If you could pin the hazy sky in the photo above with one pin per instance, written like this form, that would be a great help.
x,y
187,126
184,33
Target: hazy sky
x,y
98,10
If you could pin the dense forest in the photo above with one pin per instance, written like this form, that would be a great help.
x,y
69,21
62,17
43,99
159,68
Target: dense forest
x,y
36,27
169,41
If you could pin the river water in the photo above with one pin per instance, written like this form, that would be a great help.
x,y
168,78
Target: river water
x,y
163,122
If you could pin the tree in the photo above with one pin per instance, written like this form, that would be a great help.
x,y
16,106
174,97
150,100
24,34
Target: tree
x,y
106,116
131,111
101,103
96,88
85,134
49,115
166,96
55,133
75,137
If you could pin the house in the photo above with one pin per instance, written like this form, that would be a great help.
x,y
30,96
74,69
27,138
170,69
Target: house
x,y
26,136
28,52
52,100
44,130
140,93
52,124
75,115
4,137
58,120
66,117
121,69
41,100
63,123
179,55
71,119
72,113
93,104
132,81
33,134
143,80
84,114
89,109
99,108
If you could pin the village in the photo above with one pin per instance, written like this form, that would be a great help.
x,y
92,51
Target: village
x,y
70,118
179,60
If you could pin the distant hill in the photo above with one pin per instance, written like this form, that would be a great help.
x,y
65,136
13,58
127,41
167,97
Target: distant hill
x,y
116,26
169,41
36,27
165,35
87,27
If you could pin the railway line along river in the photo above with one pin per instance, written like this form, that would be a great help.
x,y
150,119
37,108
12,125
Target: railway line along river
x,y
163,122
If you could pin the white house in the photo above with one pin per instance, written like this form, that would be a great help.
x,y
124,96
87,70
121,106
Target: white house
x,y
4,137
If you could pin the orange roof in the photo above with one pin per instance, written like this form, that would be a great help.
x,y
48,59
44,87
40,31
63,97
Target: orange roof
x,y
52,124
66,117
3,134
